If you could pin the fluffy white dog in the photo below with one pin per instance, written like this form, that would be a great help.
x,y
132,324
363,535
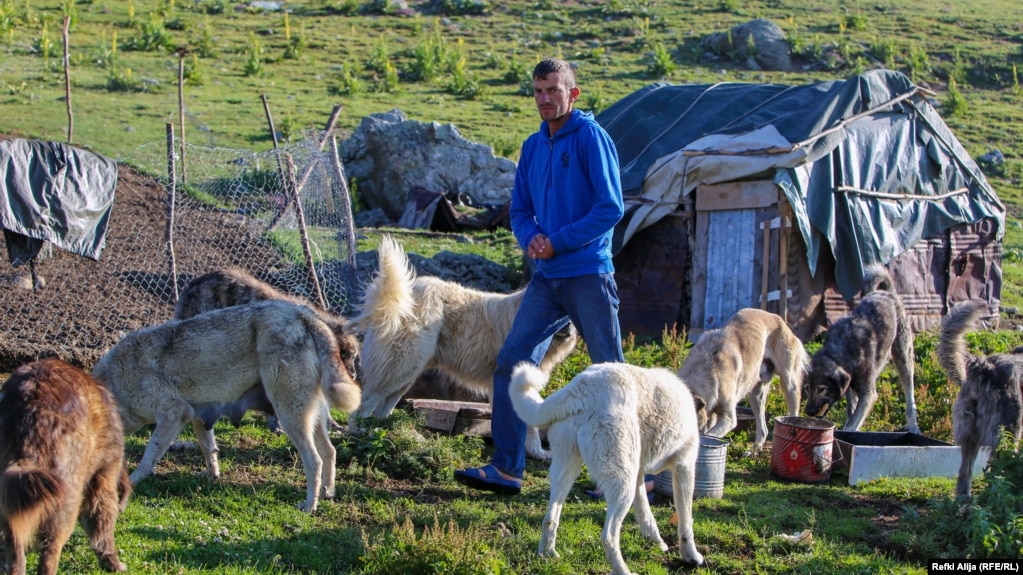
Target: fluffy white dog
x,y
621,421
410,324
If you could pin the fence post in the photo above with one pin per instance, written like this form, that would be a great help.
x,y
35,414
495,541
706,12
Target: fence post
x,y
346,212
181,110
67,81
171,194
310,266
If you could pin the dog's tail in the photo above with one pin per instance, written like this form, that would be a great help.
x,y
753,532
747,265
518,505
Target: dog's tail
x,y
952,354
124,488
388,302
25,493
527,382
337,383
876,278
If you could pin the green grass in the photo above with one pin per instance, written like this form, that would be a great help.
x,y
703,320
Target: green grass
x,y
397,510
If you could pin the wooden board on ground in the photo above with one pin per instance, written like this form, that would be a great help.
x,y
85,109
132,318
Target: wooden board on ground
x,y
461,417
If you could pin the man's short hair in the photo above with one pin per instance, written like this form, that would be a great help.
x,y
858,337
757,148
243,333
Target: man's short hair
x,y
555,65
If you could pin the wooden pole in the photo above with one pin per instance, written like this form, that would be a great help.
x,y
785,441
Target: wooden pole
x,y
765,274
67,81
783,264
303,234
280,165
171,193
331,122
181,111
346,208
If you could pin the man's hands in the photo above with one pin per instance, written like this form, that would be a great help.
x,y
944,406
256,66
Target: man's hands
x,y
540,248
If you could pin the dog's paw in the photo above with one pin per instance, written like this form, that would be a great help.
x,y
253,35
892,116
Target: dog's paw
x,y
308,506
110,562
540,455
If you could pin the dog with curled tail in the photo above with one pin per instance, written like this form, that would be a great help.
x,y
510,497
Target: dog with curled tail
x,y
411,323
622,421
990,395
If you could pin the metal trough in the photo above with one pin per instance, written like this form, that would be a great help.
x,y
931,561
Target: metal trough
x,y
868,455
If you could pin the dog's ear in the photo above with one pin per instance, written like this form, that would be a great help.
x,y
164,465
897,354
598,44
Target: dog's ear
x,y
844,379
699,403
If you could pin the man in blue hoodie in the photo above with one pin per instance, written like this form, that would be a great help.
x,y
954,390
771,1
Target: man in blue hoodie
x,y
565,204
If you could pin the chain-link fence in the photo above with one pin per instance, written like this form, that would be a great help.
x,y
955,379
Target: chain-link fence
x,y
226,208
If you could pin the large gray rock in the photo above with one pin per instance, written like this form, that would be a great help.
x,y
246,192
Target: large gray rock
x,y
770,48
389,154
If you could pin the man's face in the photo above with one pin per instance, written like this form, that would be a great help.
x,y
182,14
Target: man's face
x,y
553,100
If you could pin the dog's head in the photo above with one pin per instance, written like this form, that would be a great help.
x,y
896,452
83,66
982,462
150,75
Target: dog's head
x,y
825,385
349,347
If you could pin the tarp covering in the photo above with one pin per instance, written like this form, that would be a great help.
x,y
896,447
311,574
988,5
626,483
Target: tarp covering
x,y
54,192
867,164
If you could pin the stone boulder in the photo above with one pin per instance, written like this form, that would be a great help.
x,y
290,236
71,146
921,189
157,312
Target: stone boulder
x,y
770,49
388,155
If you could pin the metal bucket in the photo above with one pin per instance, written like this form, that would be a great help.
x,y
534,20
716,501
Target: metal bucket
x,y
710,471
801,449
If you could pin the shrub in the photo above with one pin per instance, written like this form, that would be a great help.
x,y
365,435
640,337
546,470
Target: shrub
x,y
448,549
954,103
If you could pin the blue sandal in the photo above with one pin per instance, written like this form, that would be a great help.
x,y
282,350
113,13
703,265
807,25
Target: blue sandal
x,y
488,478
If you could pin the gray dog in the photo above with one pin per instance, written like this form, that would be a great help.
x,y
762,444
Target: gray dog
x,y
989,390
233,286
857,348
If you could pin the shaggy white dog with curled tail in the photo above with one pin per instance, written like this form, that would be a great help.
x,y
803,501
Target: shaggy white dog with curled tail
x,y
621,421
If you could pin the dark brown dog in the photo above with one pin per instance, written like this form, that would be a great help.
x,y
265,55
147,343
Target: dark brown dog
x,y
990,390
61,459
856,350
232,286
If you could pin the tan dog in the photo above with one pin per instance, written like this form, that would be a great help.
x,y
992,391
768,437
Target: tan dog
x,y
410,324
61,460
621,421
990,390
739,360
166,373
232,286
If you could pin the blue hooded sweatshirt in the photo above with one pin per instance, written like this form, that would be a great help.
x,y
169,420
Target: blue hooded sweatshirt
x,y
569,188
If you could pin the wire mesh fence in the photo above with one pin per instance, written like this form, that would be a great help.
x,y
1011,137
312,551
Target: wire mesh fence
x,y
236,208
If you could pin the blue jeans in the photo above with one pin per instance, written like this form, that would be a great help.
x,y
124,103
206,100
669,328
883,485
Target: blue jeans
x,y
591,303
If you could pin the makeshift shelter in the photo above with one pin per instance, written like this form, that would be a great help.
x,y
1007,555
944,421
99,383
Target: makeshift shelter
x,y
778,197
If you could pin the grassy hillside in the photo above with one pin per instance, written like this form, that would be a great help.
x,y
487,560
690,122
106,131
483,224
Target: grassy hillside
x,y
467,62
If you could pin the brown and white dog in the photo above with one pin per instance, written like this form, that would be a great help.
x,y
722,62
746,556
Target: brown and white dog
x,y
61,461
855,351
740,359
409,324
621,421
990,390
233,286
166,374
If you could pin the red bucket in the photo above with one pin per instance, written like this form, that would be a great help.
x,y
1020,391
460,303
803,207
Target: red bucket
x,y
801,449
